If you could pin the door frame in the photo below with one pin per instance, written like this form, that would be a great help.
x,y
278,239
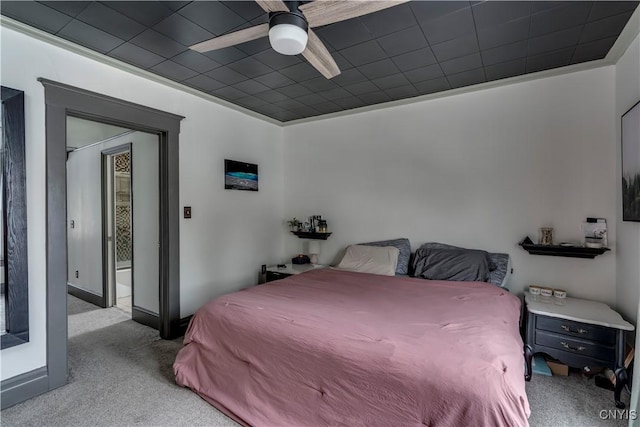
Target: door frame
x,y
108,202
62,100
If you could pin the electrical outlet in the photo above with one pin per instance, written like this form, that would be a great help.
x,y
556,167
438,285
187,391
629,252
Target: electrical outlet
x,y
77,274
263,269
187,212
72,224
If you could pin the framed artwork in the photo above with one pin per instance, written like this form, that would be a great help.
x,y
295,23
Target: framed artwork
x,y
631,164
240,176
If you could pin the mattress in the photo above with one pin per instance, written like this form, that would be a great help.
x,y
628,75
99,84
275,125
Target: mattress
x,y
331,347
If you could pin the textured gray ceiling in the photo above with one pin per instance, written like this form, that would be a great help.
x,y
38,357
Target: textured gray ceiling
x,y
408,50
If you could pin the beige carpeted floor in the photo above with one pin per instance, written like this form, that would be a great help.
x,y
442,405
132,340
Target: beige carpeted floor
x,y
120,374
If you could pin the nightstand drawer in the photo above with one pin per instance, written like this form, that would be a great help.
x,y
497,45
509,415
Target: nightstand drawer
x,y
576,346
273,275
576,329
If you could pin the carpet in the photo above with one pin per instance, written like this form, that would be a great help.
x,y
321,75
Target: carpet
x,y
120,373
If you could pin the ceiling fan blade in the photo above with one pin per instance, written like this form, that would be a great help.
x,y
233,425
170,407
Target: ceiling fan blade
x,y
318,56
272,5
232,39
324,12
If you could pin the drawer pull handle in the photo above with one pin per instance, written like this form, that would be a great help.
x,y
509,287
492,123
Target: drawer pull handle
x,y
568,347
579,331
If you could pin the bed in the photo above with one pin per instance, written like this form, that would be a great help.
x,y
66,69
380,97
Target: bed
x,y
331,347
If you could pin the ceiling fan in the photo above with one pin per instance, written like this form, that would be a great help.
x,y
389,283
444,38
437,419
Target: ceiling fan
x,y
290,28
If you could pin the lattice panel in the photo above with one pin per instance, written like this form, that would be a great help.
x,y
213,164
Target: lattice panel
x,y
123,162
123,233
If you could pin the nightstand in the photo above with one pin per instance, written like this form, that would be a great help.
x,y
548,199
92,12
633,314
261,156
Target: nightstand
x,y
577,332
275,273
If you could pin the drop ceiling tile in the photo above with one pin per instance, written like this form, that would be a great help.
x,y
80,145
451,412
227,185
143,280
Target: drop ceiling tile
x,y
147,13
426,11
312,99
289,104
295,90
389,20
510,32
491,13
403,41
349,103
89,36
272,96
110,21
416,59
274,80
300,72
362,87
327,107
251,87
270,109
175,5
135,55
559,18
347,77
603,9
173,71
305,111
250,67
541,6
374,97
554,41
603,28
229,93
182,30
593,50
344,34
431,86
401,92
465,63
286,116
363,53
227,55
246,9
392,81
336,93
448,27
505,69
204,83
456,48
386,67
212,16
466,78
250,101
71,8
425,73
157,43
226,75
275,60
196,61
559,58
254,46
504,53
35,14
341,61
319,84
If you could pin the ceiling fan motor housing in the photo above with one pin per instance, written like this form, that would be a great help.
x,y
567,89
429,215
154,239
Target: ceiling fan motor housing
x,y
288,32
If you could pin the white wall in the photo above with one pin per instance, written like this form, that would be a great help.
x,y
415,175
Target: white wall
x,y
231,234
628,233
479,170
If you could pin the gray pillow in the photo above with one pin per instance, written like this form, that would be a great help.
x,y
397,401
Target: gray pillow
x,y
403,246
498,276
462,265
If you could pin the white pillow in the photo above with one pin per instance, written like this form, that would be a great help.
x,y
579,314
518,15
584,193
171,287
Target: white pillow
x,y
370,259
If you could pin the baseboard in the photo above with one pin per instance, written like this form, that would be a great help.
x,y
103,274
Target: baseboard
x,y
184,324
145,317
24,386
85,295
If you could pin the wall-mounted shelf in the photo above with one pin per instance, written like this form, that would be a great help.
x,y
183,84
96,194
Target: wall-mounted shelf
x,y
309,235
561,250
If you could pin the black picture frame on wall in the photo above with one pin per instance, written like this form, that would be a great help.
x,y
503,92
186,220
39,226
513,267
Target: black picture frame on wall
x,y
14,221
631,164
240,175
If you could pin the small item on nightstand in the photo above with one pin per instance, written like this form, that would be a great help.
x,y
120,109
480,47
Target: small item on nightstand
x,y
559,293
534,289
546,292
300,259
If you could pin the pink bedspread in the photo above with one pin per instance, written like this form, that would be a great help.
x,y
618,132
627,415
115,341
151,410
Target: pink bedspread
x,y
331,347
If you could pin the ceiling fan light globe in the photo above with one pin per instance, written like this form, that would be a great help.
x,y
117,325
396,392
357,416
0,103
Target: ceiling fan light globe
x,y
288,39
